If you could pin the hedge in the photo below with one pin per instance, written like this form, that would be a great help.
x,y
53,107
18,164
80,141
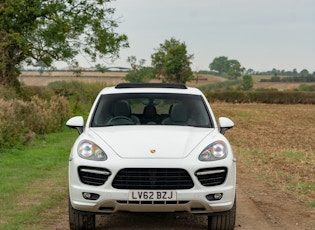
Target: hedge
x,y
268,97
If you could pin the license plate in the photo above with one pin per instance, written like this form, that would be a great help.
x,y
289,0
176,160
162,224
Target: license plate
x,y
152,195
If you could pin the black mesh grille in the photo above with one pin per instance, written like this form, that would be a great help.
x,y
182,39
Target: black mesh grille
x,y
212,176
152,178
93,176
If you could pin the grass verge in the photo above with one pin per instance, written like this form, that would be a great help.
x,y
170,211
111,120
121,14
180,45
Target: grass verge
x,y
33,179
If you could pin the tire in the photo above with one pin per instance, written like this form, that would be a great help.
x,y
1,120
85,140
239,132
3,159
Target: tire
x,y
223,222
79,221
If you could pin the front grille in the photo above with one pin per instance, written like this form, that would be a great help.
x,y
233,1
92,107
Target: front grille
x,y
93,176
211,176
152,178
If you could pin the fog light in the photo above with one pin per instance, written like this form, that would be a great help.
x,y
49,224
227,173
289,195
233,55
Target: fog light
x,y
218,196
86,195
215,196
90,196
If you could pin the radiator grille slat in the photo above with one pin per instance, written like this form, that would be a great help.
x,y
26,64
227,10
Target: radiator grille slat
x,y
152,178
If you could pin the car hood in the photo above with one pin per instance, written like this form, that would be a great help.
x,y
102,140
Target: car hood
x,y
152,141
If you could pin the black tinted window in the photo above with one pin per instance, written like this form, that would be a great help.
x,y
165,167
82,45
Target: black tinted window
x,y
151,109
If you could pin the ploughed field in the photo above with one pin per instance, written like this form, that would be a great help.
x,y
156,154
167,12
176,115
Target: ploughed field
x,y
34,78
275,151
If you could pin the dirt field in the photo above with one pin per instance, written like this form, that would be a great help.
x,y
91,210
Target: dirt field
x,y
111,78
274,146
34,78
277,85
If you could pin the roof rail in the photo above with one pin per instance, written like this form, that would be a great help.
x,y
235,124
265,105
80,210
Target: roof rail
x,y
151,85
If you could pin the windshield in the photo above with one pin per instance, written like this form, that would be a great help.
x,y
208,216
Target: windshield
x,y
151,109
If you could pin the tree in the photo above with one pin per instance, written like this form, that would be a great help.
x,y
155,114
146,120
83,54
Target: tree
x,y
235,69
132,60
138,73
304,73
250,71
247,83
33,31
171,62
220,64
144,74
224,66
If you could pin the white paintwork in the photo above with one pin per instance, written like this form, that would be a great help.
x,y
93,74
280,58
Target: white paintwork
x,y
75,122
225,122
155,146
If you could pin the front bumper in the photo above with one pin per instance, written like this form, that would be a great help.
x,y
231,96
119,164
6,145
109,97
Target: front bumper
x,y
193,200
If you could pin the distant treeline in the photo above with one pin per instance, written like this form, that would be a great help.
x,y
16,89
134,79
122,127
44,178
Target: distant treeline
x,y
275,72
268,97
297,78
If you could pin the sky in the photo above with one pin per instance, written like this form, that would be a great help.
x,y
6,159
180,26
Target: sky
x,y
260,34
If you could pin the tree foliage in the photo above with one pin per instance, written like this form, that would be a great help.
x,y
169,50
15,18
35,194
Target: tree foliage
x,y
247,83
224,66
135,64
220,64
144,74
44,31
171,62
138,73
303,76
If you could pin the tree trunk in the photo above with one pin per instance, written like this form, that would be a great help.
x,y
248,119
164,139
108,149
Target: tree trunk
x,y
10,56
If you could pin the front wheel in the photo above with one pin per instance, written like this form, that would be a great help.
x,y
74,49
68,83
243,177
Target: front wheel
x,y
79,221
223,222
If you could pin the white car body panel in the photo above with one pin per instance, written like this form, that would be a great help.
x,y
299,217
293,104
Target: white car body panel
x,y
152,142
147,147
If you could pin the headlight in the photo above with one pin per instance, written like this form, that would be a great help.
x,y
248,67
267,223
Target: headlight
x,y
90,151
215,151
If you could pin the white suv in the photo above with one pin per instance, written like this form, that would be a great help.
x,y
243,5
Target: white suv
x,y
151,147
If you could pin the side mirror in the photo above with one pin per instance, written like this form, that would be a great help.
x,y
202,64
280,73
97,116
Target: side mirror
x,y
225,124
76,123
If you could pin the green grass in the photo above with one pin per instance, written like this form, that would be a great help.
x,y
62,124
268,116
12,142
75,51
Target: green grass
x,y
293,155
312,204
33,179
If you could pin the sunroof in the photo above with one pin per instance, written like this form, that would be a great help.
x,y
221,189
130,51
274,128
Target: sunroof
x,y
151,85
